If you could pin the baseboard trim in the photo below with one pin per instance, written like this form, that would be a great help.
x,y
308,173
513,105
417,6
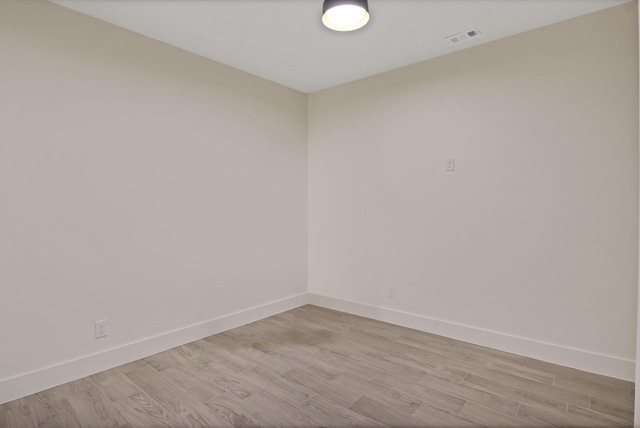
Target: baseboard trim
x,y
48,377
576,358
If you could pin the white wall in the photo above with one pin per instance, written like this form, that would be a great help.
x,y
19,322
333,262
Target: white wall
x,y
138,183
533,240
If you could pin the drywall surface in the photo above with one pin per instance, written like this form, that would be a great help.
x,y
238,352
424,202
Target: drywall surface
x,y
139,184
535,234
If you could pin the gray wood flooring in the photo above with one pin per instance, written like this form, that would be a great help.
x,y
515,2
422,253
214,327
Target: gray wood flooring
x,y
313,367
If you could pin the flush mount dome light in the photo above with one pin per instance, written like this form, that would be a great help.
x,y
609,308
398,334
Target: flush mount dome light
x,y
345,15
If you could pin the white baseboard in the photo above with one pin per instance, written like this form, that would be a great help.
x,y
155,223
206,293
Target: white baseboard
x,y
579,359
48,377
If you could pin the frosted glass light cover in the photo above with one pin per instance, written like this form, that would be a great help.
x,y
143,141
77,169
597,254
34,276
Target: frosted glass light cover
x,y
345,17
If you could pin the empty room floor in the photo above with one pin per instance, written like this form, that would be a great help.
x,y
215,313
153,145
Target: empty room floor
x,y
316,367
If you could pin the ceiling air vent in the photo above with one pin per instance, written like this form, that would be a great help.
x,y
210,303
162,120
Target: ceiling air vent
x,y
465,35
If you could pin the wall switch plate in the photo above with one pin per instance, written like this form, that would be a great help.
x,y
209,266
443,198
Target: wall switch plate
x,y
451,164
101,328
392,292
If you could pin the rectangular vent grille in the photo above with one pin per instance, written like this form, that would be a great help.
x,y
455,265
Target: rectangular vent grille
x,y
465,35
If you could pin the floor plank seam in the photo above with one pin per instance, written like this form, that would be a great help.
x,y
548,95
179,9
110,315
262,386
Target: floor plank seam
x,y
517,410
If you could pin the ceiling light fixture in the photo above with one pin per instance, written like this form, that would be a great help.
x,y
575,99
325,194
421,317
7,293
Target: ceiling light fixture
x,y
345,15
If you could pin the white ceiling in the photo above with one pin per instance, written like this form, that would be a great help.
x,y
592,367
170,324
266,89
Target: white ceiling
x,y
284,40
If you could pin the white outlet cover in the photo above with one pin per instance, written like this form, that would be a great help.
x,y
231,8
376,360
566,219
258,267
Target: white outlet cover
x,y
101,328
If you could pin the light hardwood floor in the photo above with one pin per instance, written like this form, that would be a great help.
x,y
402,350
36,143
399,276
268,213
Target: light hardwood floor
x,y
316,367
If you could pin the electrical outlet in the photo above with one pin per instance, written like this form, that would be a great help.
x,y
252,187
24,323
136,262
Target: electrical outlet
x,y
101,328
451,165
392,292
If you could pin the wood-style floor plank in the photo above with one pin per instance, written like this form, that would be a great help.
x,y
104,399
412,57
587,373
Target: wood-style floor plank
x,y
519,395
324,412
313,367
386,395
226,380
595,388
189,412
546,390
490,418
339,393
114,384
156,385
195,385
435,398
503,405
277,385
615,412
141,410
65,417
384,414
233,411
93,409
430,416
34,409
